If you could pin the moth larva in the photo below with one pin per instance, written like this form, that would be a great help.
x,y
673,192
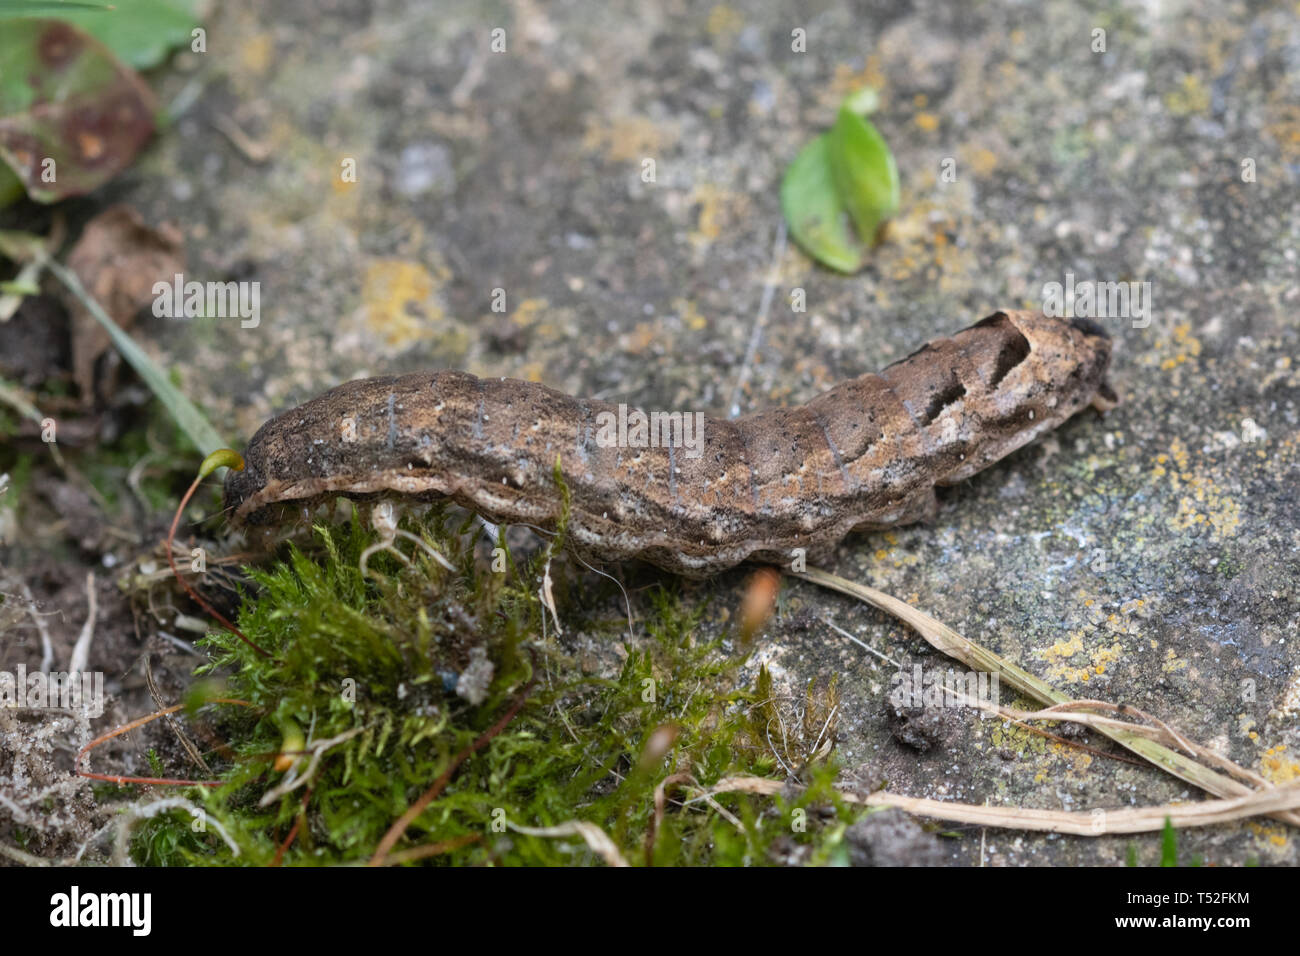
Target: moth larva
x,y
866,454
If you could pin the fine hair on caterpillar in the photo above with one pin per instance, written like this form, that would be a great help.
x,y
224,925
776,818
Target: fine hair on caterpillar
x,y
867,454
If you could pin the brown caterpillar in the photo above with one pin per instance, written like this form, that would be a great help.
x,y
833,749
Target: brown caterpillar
x,y
867,454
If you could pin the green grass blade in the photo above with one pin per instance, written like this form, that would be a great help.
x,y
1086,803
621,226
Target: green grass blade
x,y
188,417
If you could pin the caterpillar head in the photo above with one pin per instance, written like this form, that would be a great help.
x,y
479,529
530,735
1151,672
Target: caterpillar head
x,y
1022,374
1034,366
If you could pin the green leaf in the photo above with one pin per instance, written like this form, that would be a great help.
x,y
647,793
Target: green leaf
x,y
814,211
140,32
865,174
71,115
863,101
846,175
11,9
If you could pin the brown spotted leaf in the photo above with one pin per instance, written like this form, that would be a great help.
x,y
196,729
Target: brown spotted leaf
x,y
71,115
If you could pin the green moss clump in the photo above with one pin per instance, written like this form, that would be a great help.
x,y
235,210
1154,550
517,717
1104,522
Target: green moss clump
x,y
385,666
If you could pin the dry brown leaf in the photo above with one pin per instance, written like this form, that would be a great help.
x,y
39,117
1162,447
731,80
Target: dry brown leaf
x,y
118,259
